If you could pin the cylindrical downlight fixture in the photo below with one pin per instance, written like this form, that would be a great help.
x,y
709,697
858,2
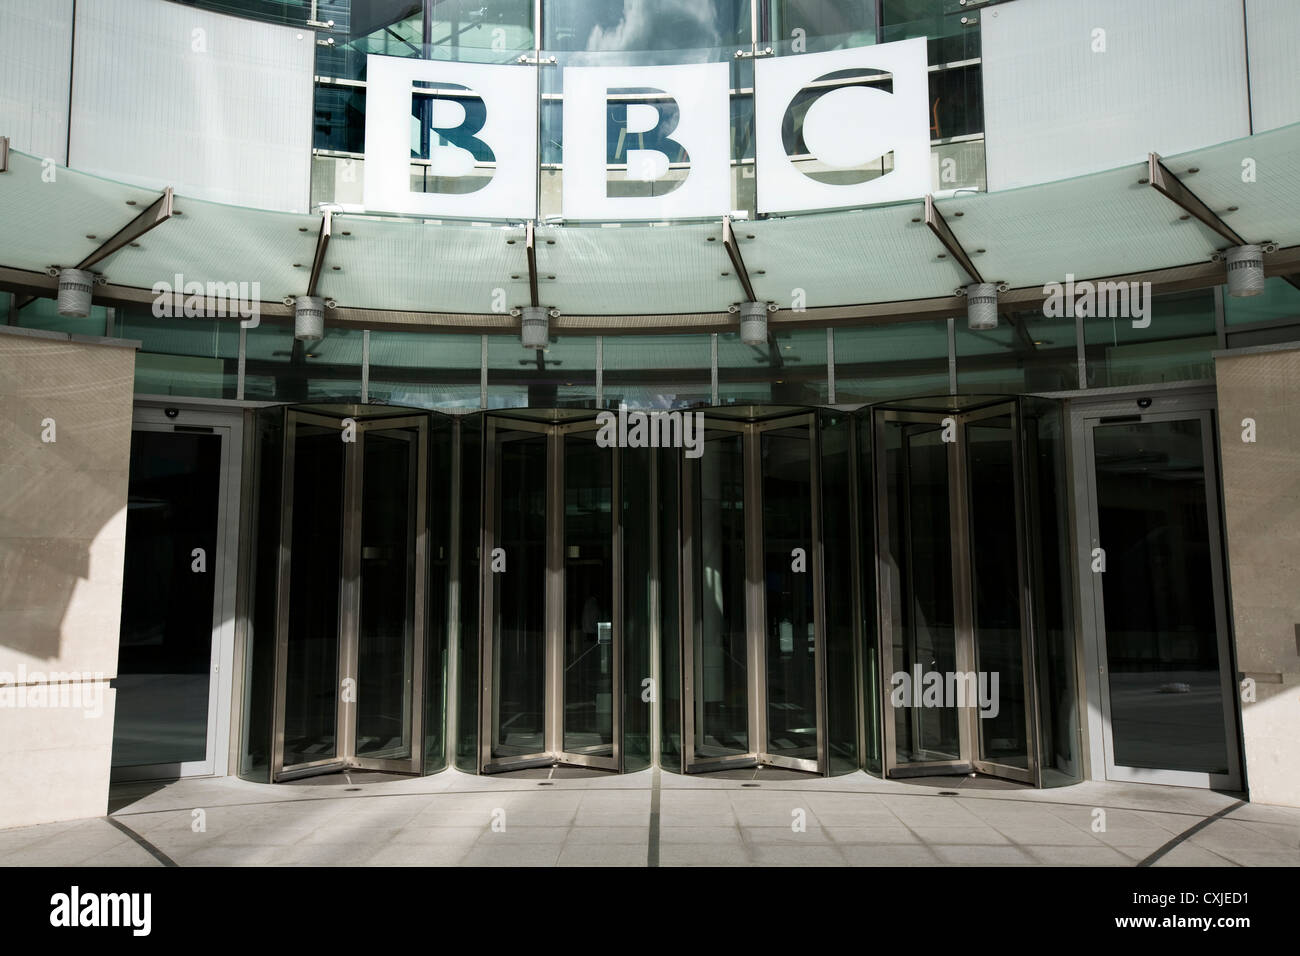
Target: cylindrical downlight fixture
x,y
1245,270
981,306
76,288
534,326
753,323
308,318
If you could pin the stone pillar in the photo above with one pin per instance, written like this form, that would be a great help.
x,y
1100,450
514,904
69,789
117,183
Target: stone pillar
x,y
1259,399
65,440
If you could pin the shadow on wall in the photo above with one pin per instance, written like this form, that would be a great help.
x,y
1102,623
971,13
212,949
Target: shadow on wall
x,y
65,438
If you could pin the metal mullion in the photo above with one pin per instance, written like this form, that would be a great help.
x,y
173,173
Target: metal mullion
x,y
884,595
830,365
1080,351
819,592
282,596
963,628
1025,579
713,367
912,714
755,600
242,362
418,612
655,607
554,614
952,356
487,595
350,594
856,595
1098,595
451,680
688,629
365,367
618,636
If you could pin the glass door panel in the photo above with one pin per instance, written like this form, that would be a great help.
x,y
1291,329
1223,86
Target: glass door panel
x,y
789,633
589,660
164,682
311,683
718,668
924,636
1169,686
386,621
518,639
1003,719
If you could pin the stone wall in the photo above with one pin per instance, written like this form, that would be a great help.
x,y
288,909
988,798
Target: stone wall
x,y
65,438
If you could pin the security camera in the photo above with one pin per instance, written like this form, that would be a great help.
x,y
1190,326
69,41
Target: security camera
x,y
1144,403
171,412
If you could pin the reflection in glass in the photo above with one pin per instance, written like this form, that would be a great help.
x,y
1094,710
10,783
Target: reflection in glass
x,y
721,695
920,555
641,547
316,572
1162,642
588,598
602,26
385,641
838,563
519,643
995,589
814,26
788,638
165,657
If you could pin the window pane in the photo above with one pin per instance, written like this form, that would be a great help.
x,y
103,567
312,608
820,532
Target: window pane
x,y
900,360
1027,352
657,371
814,26
1174,347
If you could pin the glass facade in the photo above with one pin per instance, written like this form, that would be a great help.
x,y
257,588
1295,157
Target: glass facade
x,y
689,537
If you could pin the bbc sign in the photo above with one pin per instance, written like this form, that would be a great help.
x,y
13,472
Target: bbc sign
x,y
647,142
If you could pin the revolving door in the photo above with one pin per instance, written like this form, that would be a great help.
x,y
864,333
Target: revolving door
x,y
960,572
753,649
551,637
350,591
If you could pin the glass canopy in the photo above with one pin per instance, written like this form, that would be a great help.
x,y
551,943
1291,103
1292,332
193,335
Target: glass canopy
x,y
672,276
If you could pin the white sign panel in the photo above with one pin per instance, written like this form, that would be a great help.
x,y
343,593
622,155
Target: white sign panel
x,y
846,131
668,125
475,124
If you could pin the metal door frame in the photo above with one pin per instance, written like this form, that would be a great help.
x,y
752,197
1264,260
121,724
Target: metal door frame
x,y
500,429
966,651
1084,420
755,604
558,704
224,564
1031,772
349,597
691,622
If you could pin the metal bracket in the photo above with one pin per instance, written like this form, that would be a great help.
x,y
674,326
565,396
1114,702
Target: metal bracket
x,y
4,154
1164,181
322,243
1172,188
939,226
159,211
530,248
527,60
737,260
749,55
